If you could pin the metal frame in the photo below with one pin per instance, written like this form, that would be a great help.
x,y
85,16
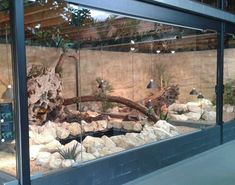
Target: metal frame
x,y
20,90
186,14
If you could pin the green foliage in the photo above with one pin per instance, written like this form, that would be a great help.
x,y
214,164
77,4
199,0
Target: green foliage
x,y
164,116
102,93
70,153
150,111
229,92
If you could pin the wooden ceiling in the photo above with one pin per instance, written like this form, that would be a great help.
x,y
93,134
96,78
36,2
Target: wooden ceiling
x,y
55,18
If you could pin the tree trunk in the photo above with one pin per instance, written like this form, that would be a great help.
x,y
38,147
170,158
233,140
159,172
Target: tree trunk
x,y
116,99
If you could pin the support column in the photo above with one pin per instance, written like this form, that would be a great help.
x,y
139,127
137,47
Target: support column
x,y
20,91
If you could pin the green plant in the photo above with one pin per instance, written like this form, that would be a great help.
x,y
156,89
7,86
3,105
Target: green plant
x,y
229,92
70,153
150,111
103,92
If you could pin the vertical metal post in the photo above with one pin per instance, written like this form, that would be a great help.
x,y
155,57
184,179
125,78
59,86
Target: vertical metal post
x,y
220,75
20,90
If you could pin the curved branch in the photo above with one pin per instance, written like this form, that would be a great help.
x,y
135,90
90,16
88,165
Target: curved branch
x,y
116,99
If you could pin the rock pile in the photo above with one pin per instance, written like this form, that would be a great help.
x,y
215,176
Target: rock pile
x,y
203,109
45,149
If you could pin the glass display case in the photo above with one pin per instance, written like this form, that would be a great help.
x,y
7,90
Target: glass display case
x,y
101,82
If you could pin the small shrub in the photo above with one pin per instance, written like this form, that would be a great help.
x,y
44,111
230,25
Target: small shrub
x,y
70,153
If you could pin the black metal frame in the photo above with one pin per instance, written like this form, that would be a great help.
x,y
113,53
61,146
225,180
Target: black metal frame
x,y
133,8
20,91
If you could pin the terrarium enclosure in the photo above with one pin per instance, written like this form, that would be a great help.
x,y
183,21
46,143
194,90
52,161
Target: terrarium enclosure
x,y
101,83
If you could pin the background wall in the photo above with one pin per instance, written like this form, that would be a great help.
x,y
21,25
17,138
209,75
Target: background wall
x,y
129,72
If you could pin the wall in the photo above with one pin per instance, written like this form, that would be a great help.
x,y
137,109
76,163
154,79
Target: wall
x,y
129,72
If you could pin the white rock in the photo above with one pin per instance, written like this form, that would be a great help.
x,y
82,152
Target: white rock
x,y
107,151
83,156
177,117
92,144
83,122
164,125
72,144
51,147
102,125
108,142
66,163
209,116
74,129
193,116
128,125
62,133
228,108
137,127
55,161
195,109
65,125
179,108
148,134
43,138
34,151
90,127
43,159
115,124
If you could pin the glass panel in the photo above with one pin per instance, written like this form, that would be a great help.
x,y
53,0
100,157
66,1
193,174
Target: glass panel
x,y
7,133
229,79
98,83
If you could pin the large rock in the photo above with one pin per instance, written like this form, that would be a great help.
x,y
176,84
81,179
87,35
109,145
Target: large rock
x,y
93,144
194,109
108,142
72,144
102,125
83,156
74,129
51,147
90,127
148,134
43,159
209,116
178,108
228,108
178,117
55,161
164,125
193,116
42,138
115,124
108,151
62,133
34,151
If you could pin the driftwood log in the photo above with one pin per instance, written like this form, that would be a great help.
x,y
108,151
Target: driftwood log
x,y
168,97
116,99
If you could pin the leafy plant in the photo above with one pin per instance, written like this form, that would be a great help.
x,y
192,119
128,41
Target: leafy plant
x,y
70,153
103,92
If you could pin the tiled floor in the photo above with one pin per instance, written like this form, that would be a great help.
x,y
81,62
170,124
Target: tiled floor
x,y
214,167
